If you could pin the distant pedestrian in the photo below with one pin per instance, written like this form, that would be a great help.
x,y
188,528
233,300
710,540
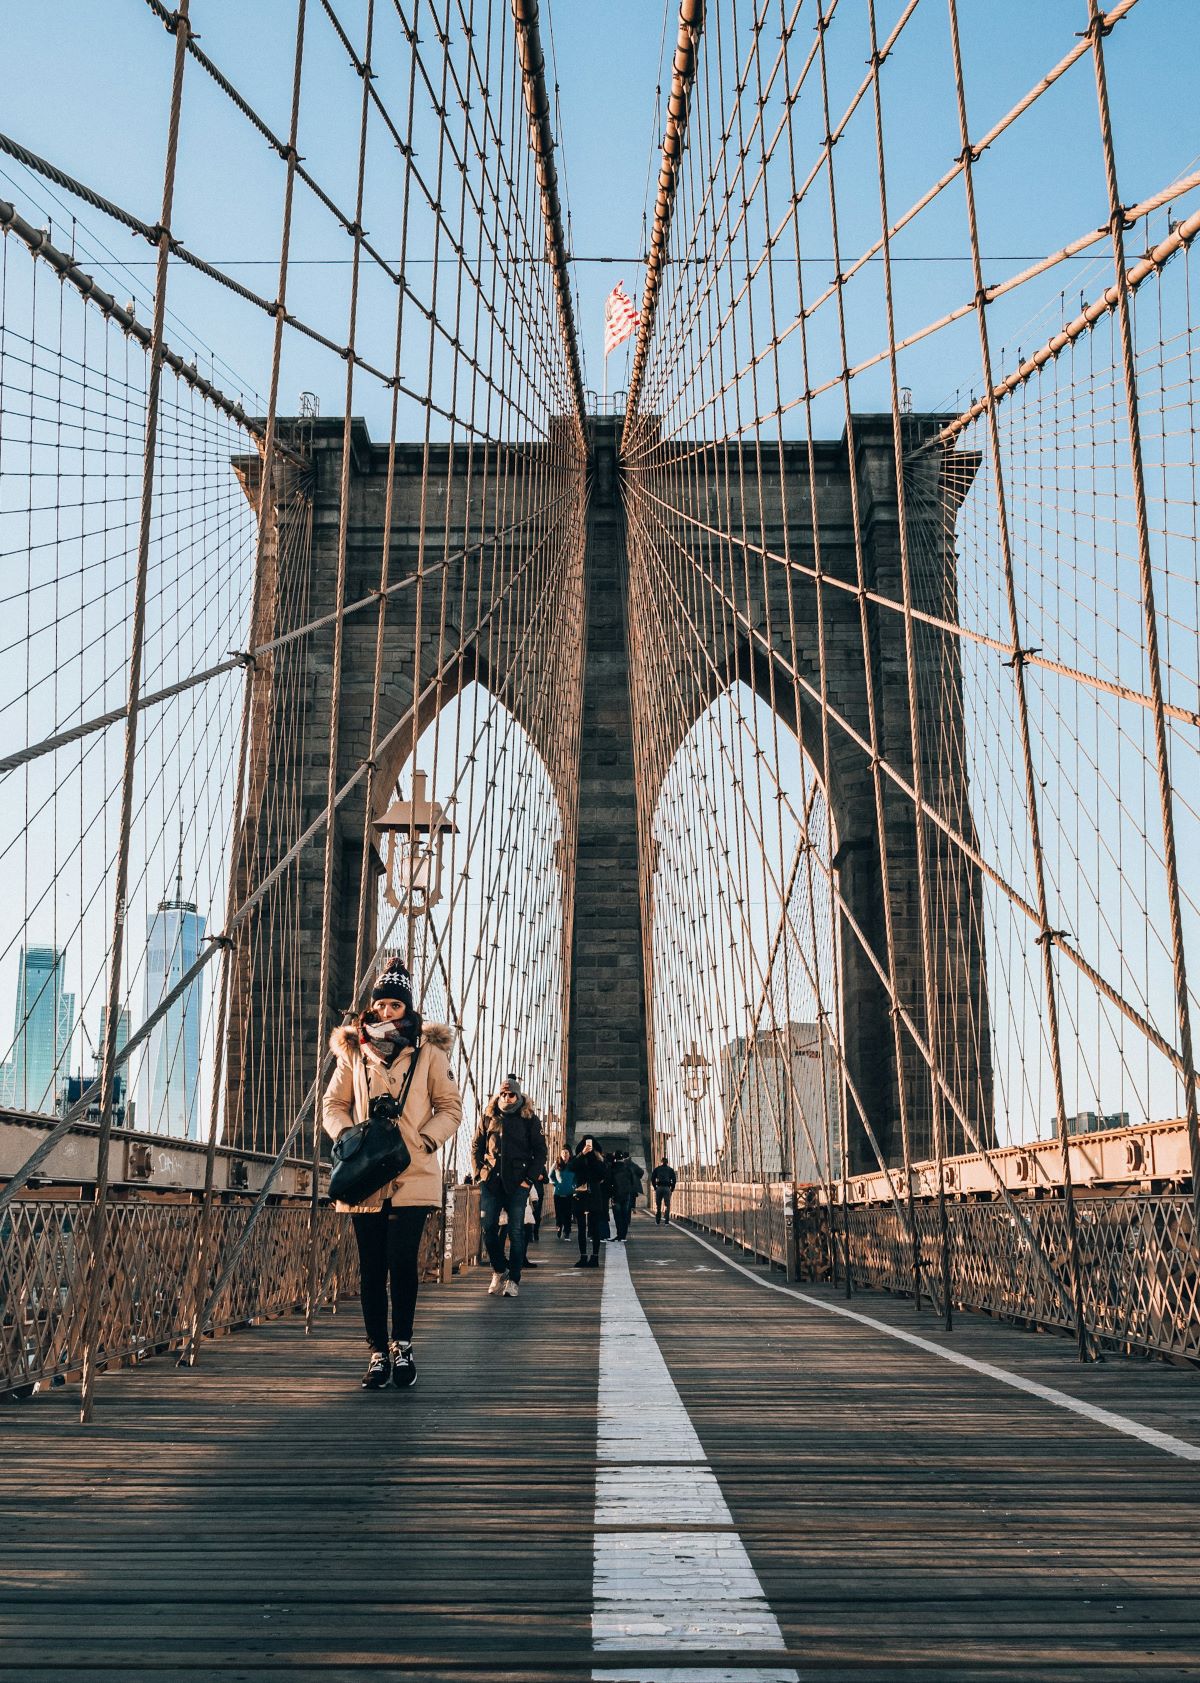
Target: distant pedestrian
x,y
663,1179
533,1205
375,1052
508,1153
536,1193
626,1179
593,1187
562,1180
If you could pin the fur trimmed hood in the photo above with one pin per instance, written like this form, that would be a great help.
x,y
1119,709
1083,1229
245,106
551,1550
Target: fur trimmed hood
x,y
345,1040
430,1116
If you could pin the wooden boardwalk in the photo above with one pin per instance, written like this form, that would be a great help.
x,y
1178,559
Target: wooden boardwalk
x,y
261,1517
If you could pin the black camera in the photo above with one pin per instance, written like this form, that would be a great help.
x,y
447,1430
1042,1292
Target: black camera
x,y
385,1107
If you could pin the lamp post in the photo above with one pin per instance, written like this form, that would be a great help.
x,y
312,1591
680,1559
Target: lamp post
x,y
413,833
695,1069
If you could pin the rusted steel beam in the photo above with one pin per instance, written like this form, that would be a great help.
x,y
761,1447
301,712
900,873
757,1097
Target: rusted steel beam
x,y
1133,1157
150,1165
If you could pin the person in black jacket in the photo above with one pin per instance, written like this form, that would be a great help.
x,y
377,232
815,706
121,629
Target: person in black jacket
x,y
626,1185
663,1180
508,1153
593,1188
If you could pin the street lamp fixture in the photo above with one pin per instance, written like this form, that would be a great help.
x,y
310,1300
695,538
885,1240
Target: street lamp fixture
x,y
414,832
695,1068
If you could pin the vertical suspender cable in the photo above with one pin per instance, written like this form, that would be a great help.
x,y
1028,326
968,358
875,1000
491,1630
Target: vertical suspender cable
x,y
1045,938
335,688
98,1271
1098,28
266,513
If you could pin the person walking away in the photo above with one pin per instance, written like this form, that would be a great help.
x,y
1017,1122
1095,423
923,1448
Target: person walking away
x,y
663,1180
626,1184
508,1153
375,1052
592,1188
562,1181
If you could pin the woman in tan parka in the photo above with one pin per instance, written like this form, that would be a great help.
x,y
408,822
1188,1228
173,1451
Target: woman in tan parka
x,y
374,1053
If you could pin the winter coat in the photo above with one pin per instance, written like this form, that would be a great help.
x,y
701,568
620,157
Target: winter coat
x,y
511,1147
562,1178
432,1111
663,1178
626,1180
593,1181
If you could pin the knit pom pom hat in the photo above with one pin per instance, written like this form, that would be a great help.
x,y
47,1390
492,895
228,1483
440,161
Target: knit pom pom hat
x,y
394,982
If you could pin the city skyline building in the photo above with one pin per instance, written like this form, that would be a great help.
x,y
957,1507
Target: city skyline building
x,y
169,1088
121,1078
43,1025
773,1083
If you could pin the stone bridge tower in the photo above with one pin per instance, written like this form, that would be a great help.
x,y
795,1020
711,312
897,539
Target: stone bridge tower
x,y
608,1088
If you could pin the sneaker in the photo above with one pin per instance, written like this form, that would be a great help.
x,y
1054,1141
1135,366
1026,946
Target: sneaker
x,y
497,1285
379,1371
511,1289
404,1368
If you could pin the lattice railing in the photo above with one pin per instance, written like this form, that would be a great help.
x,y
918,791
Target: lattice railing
x,y
1138,1251
150,1254
150,1250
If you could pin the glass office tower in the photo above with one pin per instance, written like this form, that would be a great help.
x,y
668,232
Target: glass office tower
x,y
169,1101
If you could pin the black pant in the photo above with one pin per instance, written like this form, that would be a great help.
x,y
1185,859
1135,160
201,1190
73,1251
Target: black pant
x,y
589,1224
389,1243
622,1213
563,1209
662,1201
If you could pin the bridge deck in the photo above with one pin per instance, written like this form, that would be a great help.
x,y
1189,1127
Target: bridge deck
x,y
855,1507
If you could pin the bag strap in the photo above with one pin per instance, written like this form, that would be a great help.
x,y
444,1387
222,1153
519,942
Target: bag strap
x,y
408,1079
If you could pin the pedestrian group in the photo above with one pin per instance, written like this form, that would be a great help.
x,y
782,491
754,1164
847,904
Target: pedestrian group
x,y
392,1083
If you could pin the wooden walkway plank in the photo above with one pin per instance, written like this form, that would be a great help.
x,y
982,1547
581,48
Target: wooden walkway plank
x,y
905,1518
914,1516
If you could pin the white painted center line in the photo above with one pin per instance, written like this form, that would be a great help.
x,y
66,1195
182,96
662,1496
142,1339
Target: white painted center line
x,y
689,1589
1166,1441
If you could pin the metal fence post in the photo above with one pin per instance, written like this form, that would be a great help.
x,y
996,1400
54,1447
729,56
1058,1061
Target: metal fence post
x,y
790,1259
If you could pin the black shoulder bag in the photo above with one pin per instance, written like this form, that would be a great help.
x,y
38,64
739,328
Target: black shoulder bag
x,y
369,1155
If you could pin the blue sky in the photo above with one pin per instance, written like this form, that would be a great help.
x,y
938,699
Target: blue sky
x,y
91,95
87,84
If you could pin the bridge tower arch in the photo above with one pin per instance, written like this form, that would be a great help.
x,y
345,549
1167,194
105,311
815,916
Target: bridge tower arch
x,y
742,614
441,636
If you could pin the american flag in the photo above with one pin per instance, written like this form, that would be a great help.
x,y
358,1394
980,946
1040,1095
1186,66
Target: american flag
x,y
620,318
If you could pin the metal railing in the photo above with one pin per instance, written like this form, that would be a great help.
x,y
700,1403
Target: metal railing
x,y
461,1230
1141,1266
150,1290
